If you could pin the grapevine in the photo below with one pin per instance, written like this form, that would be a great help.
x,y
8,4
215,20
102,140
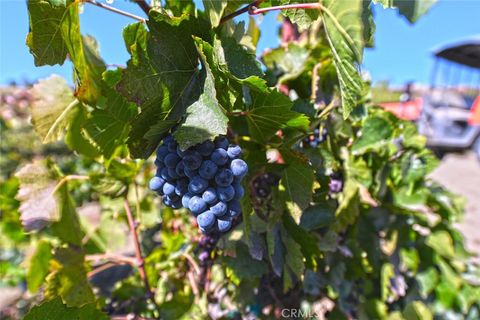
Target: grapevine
x,y
202,179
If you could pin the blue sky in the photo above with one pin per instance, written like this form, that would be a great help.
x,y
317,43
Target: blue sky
x,y
402,52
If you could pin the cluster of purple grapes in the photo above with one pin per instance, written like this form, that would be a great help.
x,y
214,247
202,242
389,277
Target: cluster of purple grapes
x,y
206,179
263,184
319,136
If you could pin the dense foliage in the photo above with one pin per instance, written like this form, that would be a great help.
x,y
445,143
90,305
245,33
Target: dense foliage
x,y
338,218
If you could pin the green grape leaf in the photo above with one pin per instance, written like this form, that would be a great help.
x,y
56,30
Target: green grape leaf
x,y
410,9
243,266
276,249
214,10
204,119
235,60
53,108
269,112
161,85
67,228
54,33
302,17
109,126
291,61
376,132
427,281
55,310
317,216
68,278
297,178
416,310
442,243
343,26
49,19
38,265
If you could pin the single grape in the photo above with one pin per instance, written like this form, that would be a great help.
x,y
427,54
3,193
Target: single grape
x,y
156,183
186,197
206,220
159,163
172,146
180,169
206,148
222,143
239,167
168,139
239,191
219,209
173,173
210,195
176,204
197,205
219,156
181,187
208,169
197,185
225,194
224,225
162,152
168,188
180,152
190,173
192,160
224,177
164,174
234,151
171,160
234,209
166,201
203,256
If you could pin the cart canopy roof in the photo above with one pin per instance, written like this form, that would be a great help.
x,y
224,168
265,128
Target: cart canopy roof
x,y
466,52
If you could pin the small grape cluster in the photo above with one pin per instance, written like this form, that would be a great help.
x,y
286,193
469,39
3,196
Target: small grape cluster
x,y
206,179
263,184
336,183
319,136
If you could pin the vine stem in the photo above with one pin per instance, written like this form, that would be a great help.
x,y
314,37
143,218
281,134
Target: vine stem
x,y
253,10
140,261
144,5
240,11
121,12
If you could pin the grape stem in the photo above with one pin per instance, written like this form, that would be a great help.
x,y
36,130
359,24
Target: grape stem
x,y
140,261
121,12
253,9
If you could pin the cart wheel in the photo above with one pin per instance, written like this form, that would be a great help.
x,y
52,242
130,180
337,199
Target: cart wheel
x,y
476,148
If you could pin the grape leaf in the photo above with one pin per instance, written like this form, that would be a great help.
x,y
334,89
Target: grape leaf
x,y
54,33
108,127
53,108
416,310
297,178
427,281
291,61
343,27
302,17
317,216
67,228
55,310
215,9
442,243
48,19
235,60
375,133
205,119
410,9
161,77
38,204
38,265
243,266
270,111
68,278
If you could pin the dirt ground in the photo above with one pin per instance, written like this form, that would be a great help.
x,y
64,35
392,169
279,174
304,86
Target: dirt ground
x,y
460,173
